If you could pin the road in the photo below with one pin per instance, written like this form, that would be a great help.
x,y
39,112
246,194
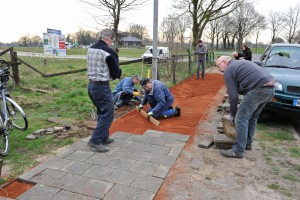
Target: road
x,y
31,54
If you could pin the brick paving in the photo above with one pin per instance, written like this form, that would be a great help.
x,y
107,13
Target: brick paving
x,y
134,168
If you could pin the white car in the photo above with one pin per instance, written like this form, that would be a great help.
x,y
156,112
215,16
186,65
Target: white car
x,y
162,53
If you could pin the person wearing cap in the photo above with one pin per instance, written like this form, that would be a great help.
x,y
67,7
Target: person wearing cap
x,y
125,91
103,66
201,51
257,86
159,98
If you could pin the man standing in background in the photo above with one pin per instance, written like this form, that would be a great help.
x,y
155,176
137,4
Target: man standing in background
x,y
201,51
103,66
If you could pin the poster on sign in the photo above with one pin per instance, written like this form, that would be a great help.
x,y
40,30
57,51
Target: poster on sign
x,y
54,43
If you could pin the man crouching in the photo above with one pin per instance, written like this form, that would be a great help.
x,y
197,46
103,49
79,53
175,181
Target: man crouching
x,y
160,99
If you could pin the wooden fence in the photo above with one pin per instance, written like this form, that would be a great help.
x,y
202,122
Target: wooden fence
x,y
172,67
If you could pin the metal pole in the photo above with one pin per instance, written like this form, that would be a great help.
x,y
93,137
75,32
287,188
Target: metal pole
x,y
155,25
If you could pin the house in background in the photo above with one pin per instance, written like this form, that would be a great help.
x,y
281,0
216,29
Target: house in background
x,y
130,41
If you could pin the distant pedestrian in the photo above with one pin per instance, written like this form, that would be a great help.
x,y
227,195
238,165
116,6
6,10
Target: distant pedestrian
x,y
159,98
201,51
103,66
257,86
246,53
125,91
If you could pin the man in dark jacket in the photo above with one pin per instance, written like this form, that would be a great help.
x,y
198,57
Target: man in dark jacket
x,y
103,66
159,98
257,86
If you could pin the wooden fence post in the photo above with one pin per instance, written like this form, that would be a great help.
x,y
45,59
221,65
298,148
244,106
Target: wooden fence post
x,y
15,68
174,69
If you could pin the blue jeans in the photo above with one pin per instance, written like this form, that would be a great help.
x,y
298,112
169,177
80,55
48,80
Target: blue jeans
x,y
102,98
203,62
120,102
166,112
246,118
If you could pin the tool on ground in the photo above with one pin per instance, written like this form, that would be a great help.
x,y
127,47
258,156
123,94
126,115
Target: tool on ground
x,y
144,114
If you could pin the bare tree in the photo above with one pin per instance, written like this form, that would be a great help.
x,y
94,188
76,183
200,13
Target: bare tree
x,y
214,31
292,22
36,40
203,11
169,28
111,12
84,37
275,19
227,31
245,20
24,41
260,26
184,23
138,30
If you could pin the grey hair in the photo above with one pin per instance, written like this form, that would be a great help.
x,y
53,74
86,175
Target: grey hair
x,y
136,77
105,34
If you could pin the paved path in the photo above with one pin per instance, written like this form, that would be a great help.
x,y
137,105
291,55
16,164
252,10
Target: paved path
x,y
134,168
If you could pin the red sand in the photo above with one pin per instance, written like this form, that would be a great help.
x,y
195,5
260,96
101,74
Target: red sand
x,y
15,189
193,96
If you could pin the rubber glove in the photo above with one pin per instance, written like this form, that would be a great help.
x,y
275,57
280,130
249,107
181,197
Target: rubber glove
x,y
135,94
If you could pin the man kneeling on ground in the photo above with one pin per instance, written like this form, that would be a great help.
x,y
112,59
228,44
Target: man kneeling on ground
x,y
160,99
125,91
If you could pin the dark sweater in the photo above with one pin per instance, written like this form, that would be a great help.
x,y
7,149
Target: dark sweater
x,y
241,76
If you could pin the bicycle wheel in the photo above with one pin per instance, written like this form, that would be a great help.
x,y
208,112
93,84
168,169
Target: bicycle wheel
x,y
16,115
3,137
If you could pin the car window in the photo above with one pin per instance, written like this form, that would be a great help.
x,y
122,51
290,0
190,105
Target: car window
x,y
285,56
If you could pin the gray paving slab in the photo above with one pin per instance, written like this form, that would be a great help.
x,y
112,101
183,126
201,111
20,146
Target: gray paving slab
x,y
76,167
120,143
79,155
163,160
29,174
121,163
148,183
161,171
121,135
96,188
47,177
71,182
122,192
144,168
146,195
39,192
122,177
98,172
56,163
100,159
66,195
134,168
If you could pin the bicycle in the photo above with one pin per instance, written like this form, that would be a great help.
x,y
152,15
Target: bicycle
x,y
10,85
9,113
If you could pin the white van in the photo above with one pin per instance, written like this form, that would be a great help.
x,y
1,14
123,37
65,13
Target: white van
x,y
162,53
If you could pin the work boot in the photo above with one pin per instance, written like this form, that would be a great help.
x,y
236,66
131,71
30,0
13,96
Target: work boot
x,y
108,141
230,154
98,147
177,111
248,147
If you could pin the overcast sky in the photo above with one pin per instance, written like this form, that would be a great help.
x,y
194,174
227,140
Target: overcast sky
x,y
21,17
